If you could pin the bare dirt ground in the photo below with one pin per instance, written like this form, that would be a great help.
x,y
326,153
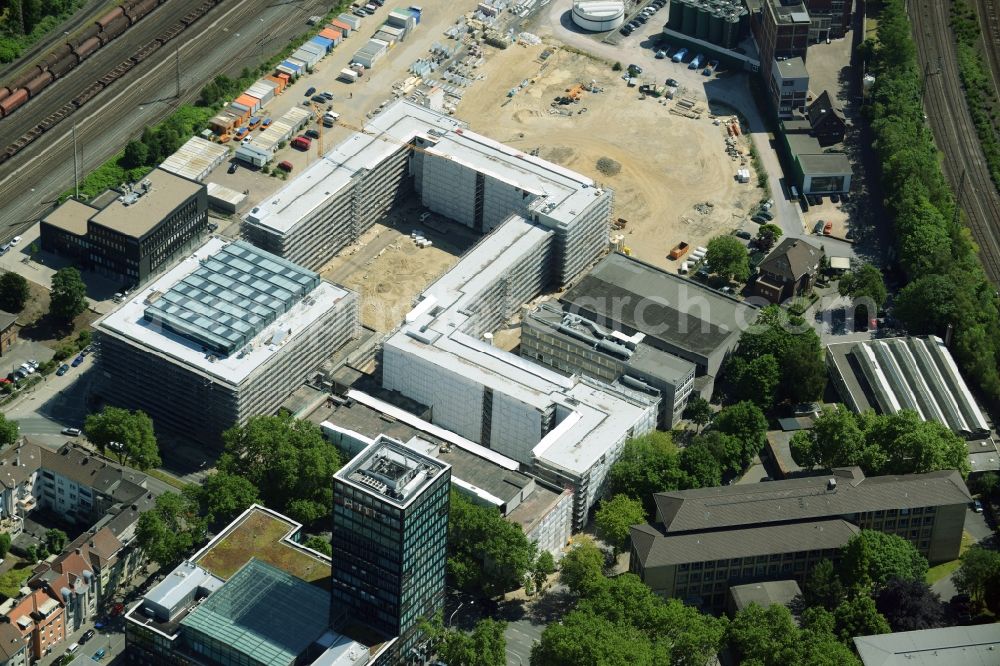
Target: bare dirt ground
x,y
669,164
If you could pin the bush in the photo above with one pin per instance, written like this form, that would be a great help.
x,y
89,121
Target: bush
x,y
617,67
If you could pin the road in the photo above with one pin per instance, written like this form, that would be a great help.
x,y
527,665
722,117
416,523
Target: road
x,y
224,41
964,163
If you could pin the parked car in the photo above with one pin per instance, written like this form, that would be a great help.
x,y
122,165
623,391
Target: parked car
x,y
641,18
661,54
828,228
977,506
232,168
15,240
34,364
99,654
327,95
285,165
254,123
265,123
835,198
818,229
78,360
673,83
634,70
310,91
71,432
63,369
745,235
625,30
87,635
766,215
358,12
312,134
758,219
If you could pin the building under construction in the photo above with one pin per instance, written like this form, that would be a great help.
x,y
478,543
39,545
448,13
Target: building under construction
x,y
457,173
722,22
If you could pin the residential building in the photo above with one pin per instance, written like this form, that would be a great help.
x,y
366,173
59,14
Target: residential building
x,y
815,171
252,596
826,121
947,646
571,344
829,19
789,86
780,28
707,539
542,510
133,233
8,331
764,594
227,333
916,373
457,173
568,431
678,316
39,619
721,22
788,271
14,649
390,529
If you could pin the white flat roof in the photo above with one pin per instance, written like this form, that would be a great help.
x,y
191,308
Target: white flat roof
x,y
562,194
127,322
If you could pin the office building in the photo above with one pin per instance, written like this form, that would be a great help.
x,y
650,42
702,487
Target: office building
x,y
707,539
571,344
675,315
252,596
829,18
565,430
543,511
948,646
721,22
457,173
390,530
133,233
893,374
788,86
780,28
226,334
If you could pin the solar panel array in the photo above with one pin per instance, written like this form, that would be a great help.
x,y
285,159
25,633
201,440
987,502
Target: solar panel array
x,y
231,297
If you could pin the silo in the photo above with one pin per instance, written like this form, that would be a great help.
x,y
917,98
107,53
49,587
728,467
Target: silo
x,y
676,17
703,17
690,24
715,22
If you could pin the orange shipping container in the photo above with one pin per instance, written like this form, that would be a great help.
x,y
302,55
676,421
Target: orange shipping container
x,y
343,27
248,101
278,81
284,77
330,33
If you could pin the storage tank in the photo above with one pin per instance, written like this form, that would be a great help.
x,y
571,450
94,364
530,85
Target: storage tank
x,y
715,21
598,15
701,29
675,18
690,20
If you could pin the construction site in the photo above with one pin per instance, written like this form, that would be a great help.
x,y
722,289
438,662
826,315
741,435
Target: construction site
x,y
675,169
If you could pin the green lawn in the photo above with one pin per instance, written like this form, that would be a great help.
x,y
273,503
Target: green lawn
x,y
13,580
934,574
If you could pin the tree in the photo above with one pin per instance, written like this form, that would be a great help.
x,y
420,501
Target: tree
x,y
55,540
136,154
486,645
698,411
864,284
486,553
835,439
747,424
701,464
910,605
288,461
859,617
582,567
648,464
615,518
979,575
727,450
14,292
171,529
583,638
769,637
769,231
728,257
757,380
823,587
4,544
545,566
319,544
128,435
875,558
223,496
794,345
68,295
9,431
986,483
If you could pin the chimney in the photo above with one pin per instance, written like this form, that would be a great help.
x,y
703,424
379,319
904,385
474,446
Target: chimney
x,y
831,483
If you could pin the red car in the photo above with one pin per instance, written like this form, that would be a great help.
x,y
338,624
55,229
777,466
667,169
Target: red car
x,y
827,228
285,165
301,143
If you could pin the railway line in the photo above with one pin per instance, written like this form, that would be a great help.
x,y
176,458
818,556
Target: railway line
x,y
224,42
85,15
955,135
989,21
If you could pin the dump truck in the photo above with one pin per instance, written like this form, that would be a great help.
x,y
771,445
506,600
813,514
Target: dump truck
x,y
679,250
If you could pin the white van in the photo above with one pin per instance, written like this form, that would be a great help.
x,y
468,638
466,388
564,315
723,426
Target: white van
x,y
72,648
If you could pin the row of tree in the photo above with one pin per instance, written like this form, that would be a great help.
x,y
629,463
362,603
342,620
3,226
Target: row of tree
x,y
946,283
19,19
900,443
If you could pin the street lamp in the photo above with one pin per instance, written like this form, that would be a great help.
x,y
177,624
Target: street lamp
x,y
460,604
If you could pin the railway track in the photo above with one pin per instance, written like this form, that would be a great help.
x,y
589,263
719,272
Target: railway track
x,y
989,21
30,182
955,135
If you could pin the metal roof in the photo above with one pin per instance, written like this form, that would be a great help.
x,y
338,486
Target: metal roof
x,y
263,613
949,646
845,492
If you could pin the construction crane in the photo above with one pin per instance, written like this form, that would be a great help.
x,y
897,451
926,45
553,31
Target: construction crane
x,y
319,130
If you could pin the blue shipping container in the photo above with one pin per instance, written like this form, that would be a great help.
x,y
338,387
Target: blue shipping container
x,y
415,12
327,44
291,65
